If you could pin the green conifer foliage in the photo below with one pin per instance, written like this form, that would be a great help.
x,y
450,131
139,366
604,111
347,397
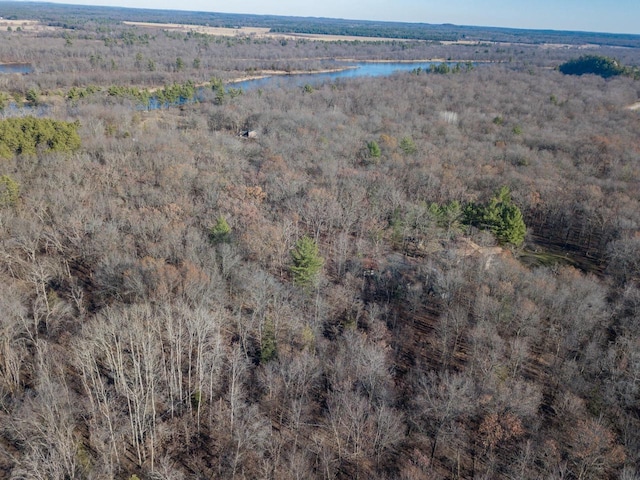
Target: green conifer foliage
x,y
595,64
408,146
374,149
307,262
24,136
268,345
221,231
500,216
9,191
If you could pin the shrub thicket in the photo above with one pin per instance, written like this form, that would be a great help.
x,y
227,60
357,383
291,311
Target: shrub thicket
x,y
24,136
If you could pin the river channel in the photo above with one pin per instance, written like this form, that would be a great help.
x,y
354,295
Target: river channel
x,y
20,68
351,70
343,70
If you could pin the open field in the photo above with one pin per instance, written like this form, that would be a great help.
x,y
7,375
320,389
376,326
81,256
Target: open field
x,y
256,32
25,25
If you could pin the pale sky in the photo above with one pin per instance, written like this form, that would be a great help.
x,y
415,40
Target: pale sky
x,y
614,16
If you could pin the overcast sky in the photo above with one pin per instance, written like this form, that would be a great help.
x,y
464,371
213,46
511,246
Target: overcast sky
x,y
615,16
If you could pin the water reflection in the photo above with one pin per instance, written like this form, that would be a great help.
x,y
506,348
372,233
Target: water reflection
x,y
21,68
355,70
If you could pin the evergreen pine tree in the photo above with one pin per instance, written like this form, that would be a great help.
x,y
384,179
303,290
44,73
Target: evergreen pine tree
x,y
307,262
221,231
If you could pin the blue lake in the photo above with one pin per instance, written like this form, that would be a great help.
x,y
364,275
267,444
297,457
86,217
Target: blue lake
x,y
354,70
15,68
351,70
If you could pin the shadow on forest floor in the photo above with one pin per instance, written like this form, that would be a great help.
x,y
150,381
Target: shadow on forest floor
x,y
542,254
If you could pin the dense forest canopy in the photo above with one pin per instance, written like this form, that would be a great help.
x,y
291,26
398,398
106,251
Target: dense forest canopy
x,y
433,274
594,64
24,136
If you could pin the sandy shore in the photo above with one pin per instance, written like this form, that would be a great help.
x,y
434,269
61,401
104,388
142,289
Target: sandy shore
x,y
271,73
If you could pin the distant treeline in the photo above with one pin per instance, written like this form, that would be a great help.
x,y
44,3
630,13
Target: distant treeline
x,y
81,17
367,29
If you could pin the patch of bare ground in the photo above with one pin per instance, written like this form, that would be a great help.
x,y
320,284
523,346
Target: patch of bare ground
x,y
219,31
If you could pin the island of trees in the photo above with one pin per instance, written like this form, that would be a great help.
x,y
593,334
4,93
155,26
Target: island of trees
x,y
597,65
432,274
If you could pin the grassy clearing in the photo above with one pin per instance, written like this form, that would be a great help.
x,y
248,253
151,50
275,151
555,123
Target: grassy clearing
x,y
257,32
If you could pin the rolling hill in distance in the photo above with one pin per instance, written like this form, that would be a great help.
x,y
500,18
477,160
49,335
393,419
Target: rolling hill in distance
x,y
75,15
